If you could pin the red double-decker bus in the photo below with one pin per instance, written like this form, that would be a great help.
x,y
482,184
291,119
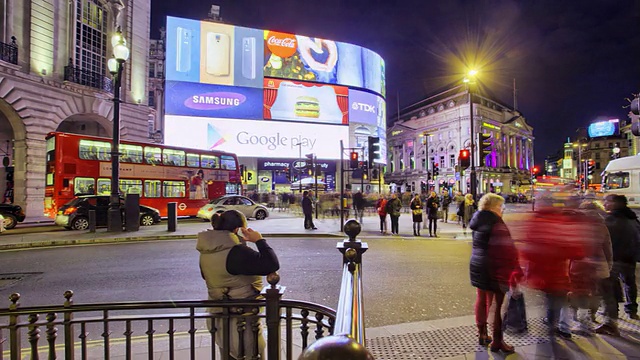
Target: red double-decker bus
x,y
81,165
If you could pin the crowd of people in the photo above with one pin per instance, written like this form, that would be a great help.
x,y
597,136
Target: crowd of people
x,y
578,255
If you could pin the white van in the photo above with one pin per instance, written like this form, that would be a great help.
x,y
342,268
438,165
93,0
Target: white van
x,y
622,177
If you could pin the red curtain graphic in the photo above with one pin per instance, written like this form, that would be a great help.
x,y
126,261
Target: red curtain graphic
x,y
343,104
269,98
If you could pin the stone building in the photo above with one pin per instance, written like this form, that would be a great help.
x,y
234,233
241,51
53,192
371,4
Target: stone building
x,y
434,130
156,86
54,77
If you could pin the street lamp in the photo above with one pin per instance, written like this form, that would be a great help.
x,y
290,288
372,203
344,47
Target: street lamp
x,y
116,65
470,80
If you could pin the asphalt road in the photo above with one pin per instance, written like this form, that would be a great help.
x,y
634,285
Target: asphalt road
x,y
404,280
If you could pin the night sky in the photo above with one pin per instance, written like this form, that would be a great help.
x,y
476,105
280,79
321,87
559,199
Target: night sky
x,y
573,61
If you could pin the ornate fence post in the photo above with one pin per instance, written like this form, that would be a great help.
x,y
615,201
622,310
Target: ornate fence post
x,y
14,331
273,294
68,327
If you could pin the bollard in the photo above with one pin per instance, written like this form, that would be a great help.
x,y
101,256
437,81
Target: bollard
x,y
132,212
172,216
336,347
92,221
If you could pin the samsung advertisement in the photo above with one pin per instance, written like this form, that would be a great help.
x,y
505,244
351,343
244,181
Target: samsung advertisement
x,y
261,93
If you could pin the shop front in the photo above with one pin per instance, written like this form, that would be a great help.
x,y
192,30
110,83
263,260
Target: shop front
x,y
287,175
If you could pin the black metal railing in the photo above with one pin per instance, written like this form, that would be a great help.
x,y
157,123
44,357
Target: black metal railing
x,y
87,78
180,329
9,52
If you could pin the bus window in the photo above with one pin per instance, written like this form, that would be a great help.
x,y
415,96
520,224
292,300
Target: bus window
x,y
51,147
153,155
619,180
228,162
174,189
130,187
173,157
94,150
104,186
209,161
83,186
152,188
131,153
193,160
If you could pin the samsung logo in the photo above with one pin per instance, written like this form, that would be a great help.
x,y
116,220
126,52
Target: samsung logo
x,y
215,101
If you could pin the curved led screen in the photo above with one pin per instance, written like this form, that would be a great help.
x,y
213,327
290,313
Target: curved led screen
x,y
272,85
604,128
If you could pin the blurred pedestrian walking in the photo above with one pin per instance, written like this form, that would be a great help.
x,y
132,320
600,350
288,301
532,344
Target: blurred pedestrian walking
x,y
307,211
394,206
494,268
466,209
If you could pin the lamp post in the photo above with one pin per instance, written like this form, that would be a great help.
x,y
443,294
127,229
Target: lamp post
x,y
472,175
298,169
116,65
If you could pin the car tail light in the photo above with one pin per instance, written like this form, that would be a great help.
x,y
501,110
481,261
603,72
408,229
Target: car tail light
x,y
70,210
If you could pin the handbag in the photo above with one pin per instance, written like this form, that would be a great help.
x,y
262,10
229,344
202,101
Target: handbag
x,y
515,319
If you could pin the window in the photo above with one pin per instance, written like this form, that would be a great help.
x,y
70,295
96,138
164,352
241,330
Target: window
x,y
84,186
597,155
104,186
412,161
130,187
94,150
597,145
452,160
152,99
209,161
597,166
193,160
442,164
174,189
49,180
610,145
229,201
91,36
152,155
173,157
131,153
152,71
243,201
617,180
152,188
228,162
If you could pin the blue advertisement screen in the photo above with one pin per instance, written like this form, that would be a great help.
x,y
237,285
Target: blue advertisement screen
x,y
604,128
215,101
183,50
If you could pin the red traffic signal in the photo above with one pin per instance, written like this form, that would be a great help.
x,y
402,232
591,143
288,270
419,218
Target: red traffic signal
x,y
464,159
464,154
353,160
535,170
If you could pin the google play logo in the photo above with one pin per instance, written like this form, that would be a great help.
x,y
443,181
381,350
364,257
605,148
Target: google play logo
x,y
214,138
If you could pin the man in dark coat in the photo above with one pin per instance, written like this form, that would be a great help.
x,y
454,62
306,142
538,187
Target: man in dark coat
x,y
622,224
358,205
307,210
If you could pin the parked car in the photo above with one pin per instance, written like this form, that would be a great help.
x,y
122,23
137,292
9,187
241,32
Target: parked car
x,y
75,214
248,207
13,214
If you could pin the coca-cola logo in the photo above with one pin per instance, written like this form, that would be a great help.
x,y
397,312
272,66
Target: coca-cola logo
x,y
282,44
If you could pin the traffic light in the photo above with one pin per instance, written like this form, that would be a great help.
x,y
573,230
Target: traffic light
x,y
484,144
287,172
591,166
374,150
353,160
534,172
242,170
464,159
374,174
436,170
308,164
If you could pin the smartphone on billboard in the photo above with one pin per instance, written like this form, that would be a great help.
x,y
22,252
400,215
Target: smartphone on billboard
x,y
217,54
249,58
183,50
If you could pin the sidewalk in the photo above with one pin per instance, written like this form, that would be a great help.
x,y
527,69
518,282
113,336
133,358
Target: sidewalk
x,y
280,225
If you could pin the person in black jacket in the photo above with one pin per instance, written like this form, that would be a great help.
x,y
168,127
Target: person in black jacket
x,y
307,210
493,268
233,270
622,224
433,204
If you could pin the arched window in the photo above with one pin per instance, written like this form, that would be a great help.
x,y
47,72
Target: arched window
x,y
91,36
412,161
392,166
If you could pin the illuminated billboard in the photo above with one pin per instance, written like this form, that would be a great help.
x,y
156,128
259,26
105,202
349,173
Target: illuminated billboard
x,y
604,128
256,92
273,139
306,102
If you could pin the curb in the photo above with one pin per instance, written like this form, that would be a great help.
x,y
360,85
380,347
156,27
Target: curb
x,y
129,239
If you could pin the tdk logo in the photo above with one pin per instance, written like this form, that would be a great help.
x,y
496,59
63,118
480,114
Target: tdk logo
x,y
364,107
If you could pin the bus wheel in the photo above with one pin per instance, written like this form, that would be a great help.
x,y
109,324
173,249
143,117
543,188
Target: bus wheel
x,y
146,220
261,215
80,223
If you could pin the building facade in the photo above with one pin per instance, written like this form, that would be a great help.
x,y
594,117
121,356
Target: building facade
x,y
434,131
156,86
54,77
